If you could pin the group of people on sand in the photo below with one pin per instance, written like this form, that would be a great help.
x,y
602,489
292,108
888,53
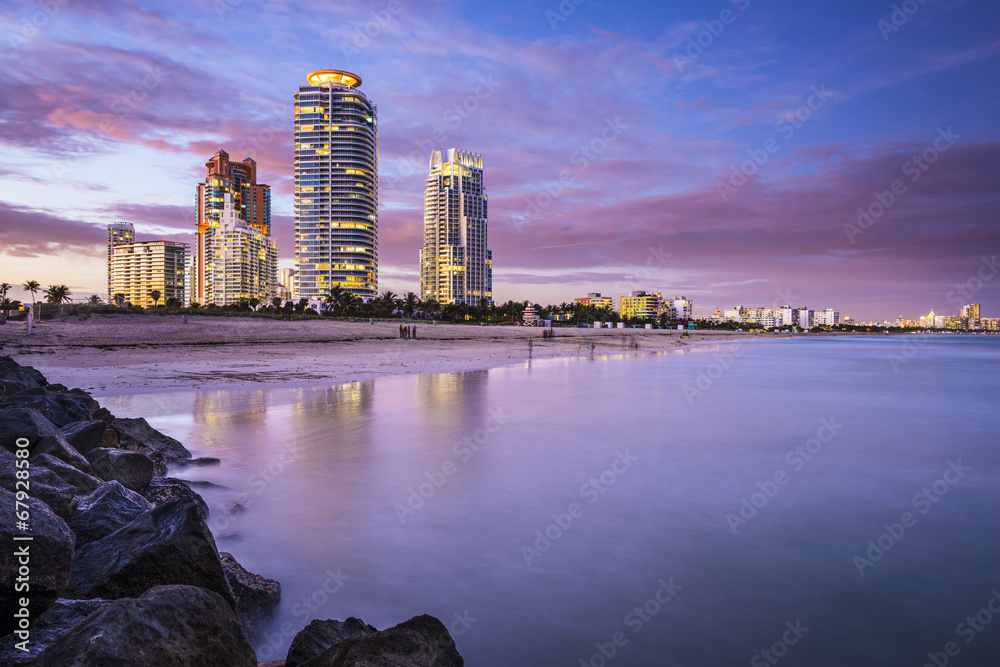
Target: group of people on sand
x,y
407,331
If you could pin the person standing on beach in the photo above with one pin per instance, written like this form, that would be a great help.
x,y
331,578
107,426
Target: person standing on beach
x,y
592,349
414,330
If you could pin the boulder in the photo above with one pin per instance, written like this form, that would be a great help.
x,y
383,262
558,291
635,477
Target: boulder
x,y
319,635
79,480
422,641
133,469
50,626
138,436
60,409
203,461
86,435
110,439
42,484
168,545
104,511
50,552
104,415
26,375
166,625
56,445
256,596
163,490
10,387
16,423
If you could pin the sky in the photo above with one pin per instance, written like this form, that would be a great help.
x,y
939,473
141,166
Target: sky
x,y
826,154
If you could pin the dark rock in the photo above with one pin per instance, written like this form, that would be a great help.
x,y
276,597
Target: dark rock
x,y
10,387
16,423
110,439
422,641
163,490
56,445
50,626
107,509
60,409
81,481
272,663
26,375
203,461
104,415
256,596
50,551
42,484
233,508
168,545
138,436
86,435
88,400
133,469
166,625
319,635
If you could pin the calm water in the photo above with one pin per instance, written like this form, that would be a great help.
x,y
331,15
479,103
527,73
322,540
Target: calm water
x,y
408,495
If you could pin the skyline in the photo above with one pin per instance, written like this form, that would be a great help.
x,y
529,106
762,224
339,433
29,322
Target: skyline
x,y
613,141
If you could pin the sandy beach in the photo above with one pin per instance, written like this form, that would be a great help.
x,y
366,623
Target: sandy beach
x,y
113,354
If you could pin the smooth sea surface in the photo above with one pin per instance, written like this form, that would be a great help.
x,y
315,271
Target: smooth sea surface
x,y
540,509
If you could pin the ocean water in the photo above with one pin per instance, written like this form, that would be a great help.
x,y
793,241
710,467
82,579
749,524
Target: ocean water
x,y
795,502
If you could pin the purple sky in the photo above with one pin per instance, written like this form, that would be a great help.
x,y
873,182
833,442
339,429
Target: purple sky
x,y
651,113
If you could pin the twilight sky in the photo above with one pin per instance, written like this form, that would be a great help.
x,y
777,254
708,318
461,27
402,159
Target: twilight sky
x,y
710,148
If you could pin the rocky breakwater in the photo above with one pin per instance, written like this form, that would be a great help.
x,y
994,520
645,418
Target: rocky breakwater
x,y
106,561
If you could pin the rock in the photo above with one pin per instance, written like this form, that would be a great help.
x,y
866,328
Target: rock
x,y
79,480
18,423
256,596
56,445
110,439
60,409
138,436
50,626
163,490
422,641
319,635
104,511
50,551
26,375
10,387
203,461
104,415
166,625
86,435
133,469
272,663
168,545
42,484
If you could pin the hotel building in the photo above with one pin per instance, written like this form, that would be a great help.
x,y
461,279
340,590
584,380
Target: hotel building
x,y
136,269
119,233
642,305
251,201
242,260
596,300
456,266
336,186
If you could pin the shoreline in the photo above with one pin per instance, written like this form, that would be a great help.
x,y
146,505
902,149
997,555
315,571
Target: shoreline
x,y
151,353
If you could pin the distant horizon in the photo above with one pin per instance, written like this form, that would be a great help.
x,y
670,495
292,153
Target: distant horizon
x,y
839,155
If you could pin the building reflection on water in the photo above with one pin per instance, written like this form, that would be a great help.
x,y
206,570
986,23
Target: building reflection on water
x,y
452,400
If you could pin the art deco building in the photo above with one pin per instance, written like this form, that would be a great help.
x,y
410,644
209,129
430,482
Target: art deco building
x,y
336,186
455,264
135,270
242,260
643,305
596,300
251,201
119,233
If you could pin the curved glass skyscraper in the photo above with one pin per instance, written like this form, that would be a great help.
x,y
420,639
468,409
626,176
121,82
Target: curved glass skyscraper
x,y
336,186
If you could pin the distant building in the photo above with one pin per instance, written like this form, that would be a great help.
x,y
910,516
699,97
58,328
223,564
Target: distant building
x,y
828,317
137,269
970,314
932,321
785,316
250,200
456,264
596,300
989,323
642,305
683,308
287,288
119,233
241,261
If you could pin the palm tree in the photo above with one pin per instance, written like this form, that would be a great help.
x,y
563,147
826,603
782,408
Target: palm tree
x,y
119,299
335,298
430,306
276,302
4,287
387,302
57,294
410,303
155,296
32,286
95,300
253,302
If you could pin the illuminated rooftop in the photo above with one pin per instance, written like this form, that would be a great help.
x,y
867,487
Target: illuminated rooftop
x,y
338,76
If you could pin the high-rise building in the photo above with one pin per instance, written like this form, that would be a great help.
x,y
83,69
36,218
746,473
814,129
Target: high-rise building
x,y
336,186
242,261
137,269
642,305
971,315
287,288
251,201
456,266
119,233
